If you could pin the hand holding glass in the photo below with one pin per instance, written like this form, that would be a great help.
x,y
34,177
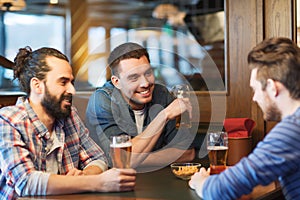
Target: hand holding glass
x,y
182,91
120,151
217,146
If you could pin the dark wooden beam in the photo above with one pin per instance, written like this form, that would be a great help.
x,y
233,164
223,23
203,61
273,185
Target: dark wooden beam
x,y
4,62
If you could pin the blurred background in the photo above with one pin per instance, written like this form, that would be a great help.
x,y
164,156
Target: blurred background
x,y
177,33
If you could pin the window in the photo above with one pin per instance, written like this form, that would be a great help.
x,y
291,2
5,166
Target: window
x,y
36,31
175,55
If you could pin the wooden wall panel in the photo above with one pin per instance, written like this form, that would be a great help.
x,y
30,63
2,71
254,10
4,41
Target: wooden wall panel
x,y
245,30
212,107
278,20
242,36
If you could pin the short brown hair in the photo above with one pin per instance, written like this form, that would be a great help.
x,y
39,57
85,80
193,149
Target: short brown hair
x,y
277,59
125,51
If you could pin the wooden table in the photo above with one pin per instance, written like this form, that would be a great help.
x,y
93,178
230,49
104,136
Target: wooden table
x,y
161,184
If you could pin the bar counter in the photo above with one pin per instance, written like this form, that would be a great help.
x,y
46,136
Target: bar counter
x,y
163,185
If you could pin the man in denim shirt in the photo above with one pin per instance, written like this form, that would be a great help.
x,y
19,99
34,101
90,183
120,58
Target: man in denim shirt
x,y
132,103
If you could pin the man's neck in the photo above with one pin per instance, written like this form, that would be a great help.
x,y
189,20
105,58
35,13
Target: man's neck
x,y
292,107
47,120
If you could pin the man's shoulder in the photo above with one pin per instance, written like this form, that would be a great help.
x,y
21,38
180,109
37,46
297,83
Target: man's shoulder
x,y
104,96
14,114
106,89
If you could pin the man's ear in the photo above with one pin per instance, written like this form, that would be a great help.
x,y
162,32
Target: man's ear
x,y
115,81
36,85
272,88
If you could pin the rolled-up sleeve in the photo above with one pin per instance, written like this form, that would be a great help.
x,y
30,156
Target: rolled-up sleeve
x,y
15,157
36,184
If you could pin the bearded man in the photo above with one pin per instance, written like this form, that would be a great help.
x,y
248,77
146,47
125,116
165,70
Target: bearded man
x,y
45,149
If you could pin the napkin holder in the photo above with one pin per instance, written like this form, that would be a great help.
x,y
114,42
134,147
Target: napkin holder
x,y
238,148
239,138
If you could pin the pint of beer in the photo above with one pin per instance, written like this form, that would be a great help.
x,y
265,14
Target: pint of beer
x,y
217,146
183,120
182,91
120,151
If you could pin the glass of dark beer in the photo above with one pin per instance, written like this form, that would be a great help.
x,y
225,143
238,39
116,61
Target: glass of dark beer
x,y
120,150
217,146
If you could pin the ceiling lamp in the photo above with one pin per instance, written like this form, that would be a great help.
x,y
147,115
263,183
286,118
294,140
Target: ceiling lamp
x,y
164,11
12,5
53,1
169,12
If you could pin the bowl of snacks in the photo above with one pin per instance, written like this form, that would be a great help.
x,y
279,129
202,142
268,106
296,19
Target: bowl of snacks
x,y
184,171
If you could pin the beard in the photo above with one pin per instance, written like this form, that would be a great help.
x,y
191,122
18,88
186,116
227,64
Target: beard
x,y
272,112
53,107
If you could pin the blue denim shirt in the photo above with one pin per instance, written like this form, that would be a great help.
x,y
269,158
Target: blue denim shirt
x,y
109,114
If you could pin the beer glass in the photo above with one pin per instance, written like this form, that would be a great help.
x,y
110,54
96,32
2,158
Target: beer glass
x,y
120,151
217,146
182,91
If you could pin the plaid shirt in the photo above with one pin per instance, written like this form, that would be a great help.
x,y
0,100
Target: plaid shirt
x,y
23,142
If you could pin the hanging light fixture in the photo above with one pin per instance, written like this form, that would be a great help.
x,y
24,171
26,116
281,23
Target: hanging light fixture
x,y
12,5
170,12
53,1
163,11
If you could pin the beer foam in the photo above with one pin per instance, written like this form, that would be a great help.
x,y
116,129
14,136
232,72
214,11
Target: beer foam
x,y
216,148
121,145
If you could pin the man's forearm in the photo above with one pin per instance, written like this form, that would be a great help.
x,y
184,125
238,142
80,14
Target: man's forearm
x,y
41,183
60,184
95,167
187,156
167,156
144,142
112,180
92,170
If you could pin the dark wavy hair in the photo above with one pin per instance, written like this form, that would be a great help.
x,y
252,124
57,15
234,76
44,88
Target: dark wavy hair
x,y
277,59
29,64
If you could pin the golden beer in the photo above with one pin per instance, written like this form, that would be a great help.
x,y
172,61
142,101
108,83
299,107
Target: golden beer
x,y
182,91
183,120
217,158
121,154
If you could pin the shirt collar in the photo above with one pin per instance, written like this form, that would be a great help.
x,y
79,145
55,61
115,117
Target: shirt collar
x,y
40,129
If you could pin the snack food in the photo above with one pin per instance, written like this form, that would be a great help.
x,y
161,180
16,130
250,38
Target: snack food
x,y
185,170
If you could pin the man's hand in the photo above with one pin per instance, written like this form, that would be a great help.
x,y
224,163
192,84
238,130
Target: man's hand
x,y
177,107
116,180
75,172
112,180
198,179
